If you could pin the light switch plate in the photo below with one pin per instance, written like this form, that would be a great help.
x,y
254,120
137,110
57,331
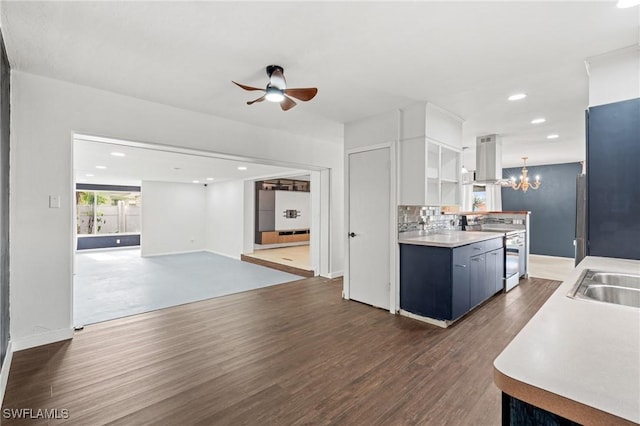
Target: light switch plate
x,y
54,201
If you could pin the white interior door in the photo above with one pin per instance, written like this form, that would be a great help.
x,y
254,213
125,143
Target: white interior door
x,y
368,228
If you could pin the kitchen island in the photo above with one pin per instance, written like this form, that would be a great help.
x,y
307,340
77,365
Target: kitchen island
x,y
577,359
443,276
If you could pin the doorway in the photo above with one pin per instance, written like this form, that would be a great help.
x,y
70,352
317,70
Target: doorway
x,y
282,224
194,208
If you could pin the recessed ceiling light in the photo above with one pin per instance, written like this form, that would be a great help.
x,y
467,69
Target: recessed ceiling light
x,y
553,136
623,4
242,168
538,120
195,181
118,154
517,97
89,175
101,167
209,179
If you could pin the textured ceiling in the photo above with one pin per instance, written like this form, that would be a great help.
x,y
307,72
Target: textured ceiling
x,y
365,58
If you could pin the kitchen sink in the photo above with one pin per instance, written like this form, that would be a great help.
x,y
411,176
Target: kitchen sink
x,y
608,287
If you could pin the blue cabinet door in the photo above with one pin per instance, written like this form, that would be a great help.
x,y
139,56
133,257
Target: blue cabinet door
x,y
477,280
495,266
460,304
613,193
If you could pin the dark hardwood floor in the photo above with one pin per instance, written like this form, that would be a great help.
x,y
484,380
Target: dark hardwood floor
x,y
290,354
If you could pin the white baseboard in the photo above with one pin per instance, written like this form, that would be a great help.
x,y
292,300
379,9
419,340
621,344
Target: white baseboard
x,y
223,254
4,372
334,274
42,339
432,321
172,252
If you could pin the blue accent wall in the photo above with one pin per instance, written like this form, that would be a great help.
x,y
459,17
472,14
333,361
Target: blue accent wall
x,y
552,207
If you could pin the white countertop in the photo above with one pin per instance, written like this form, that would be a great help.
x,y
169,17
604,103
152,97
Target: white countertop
x,y
450,239
582,350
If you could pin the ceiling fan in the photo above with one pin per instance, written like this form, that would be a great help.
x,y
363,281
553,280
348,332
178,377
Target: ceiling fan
x,y
277,91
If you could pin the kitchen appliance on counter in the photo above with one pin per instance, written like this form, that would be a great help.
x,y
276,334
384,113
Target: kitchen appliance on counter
x,y
515,227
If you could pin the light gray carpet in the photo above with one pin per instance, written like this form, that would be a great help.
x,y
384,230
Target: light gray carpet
x,y
118,283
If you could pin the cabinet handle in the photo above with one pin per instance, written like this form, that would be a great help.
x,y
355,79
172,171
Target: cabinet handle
x,y
476,260
477,248
494,254
461,266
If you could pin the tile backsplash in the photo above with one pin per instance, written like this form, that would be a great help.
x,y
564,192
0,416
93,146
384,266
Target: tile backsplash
x,y
426,218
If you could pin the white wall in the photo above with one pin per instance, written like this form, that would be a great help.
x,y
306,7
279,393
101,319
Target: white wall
x,y
373,130
249,216
225,218
614,76
45,114
173,218
292,200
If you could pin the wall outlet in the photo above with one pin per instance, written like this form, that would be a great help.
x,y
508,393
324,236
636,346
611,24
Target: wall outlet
x,y
54,201
118,241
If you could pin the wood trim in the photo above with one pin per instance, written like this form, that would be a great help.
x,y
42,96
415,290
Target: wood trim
x,y
270,237
554,403
279,266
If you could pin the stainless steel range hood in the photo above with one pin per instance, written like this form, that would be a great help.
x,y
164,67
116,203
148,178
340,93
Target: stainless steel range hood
x,y
488,159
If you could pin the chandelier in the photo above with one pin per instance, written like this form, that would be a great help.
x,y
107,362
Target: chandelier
x,y
524,179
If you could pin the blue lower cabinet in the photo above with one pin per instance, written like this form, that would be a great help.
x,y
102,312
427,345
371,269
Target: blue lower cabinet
x,y
519,413
446,283
477,271
460,294
495,271
425,283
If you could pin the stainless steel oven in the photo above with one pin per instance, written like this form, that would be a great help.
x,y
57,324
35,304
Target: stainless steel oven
x,y
515,228
515,256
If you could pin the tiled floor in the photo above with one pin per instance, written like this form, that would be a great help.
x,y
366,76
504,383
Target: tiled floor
x,y
118,283
550,267
295,256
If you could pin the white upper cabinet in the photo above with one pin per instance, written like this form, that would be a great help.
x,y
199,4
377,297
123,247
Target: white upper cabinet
x,y
429,156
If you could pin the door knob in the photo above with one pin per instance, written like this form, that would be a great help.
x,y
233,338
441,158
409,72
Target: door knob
x,y
352,234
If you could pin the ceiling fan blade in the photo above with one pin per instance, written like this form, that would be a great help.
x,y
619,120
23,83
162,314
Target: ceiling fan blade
x,y
260,99
246,87
287,103
305,94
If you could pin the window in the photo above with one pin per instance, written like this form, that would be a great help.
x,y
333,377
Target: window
x,y
107,212
479,198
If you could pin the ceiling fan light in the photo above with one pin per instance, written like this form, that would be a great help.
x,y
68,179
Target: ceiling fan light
x,y
274,94
517,96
